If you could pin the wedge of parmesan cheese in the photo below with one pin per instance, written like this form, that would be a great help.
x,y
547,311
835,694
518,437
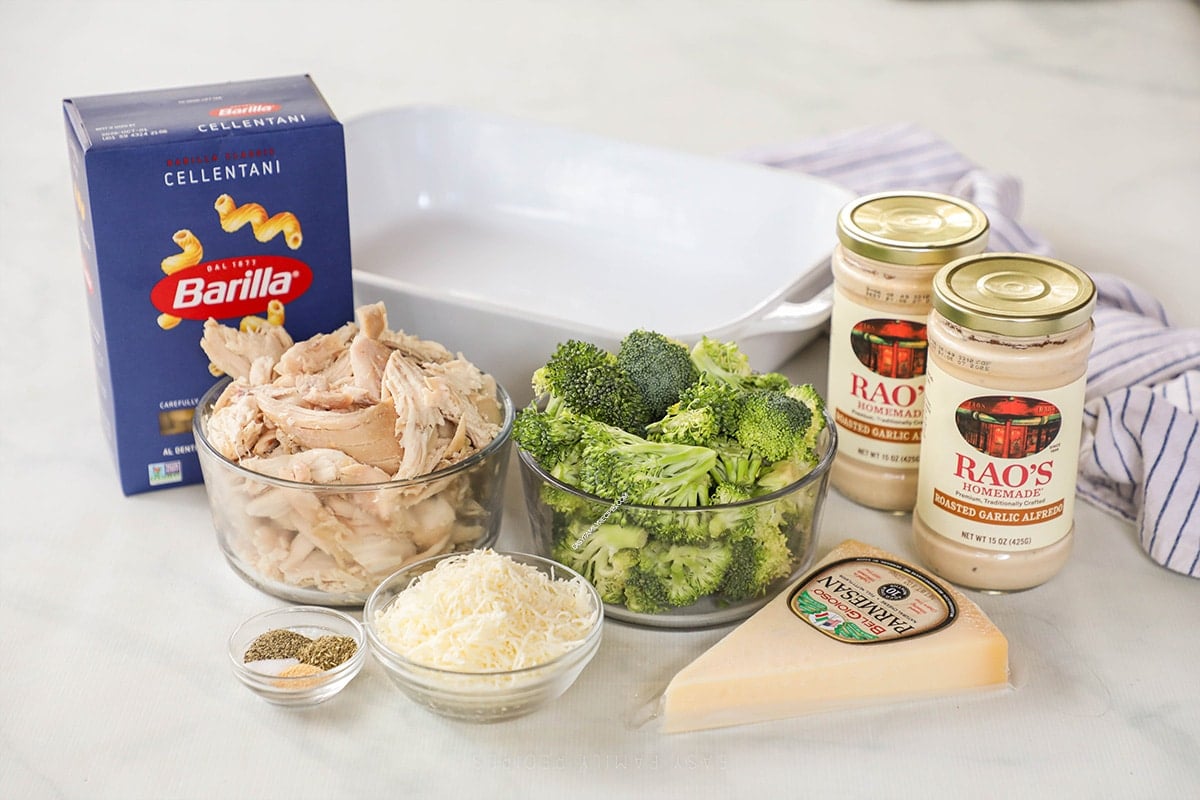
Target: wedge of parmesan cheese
x,y
862,627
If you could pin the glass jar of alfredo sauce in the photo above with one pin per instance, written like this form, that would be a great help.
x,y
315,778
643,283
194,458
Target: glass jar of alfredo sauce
x,y
890,245
1009,339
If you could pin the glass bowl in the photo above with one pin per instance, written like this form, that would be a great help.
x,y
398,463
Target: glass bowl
x,y
558,510
263,678
480,696
331,545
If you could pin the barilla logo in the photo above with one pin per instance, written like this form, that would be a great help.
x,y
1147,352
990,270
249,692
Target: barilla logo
x,y
244,110
231,287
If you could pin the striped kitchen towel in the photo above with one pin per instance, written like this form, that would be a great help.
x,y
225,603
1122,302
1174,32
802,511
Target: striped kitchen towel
x,y
1141,448
1140,458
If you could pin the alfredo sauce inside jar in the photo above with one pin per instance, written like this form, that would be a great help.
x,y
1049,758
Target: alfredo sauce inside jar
x,y
890,245
1009,339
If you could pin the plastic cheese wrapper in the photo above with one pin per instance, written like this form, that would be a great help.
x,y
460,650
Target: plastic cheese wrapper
x,y
862,627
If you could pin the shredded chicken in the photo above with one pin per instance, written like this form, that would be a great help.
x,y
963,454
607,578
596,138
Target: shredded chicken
x,y
233,351
318,355
363,407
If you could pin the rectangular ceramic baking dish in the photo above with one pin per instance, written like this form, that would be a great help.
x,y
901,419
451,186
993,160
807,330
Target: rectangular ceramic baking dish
x,y
500,238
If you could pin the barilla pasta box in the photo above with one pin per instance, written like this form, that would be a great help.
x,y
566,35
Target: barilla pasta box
x,y
225,201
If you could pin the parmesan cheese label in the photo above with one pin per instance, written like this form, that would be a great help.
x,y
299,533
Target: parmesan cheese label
x,y
872,600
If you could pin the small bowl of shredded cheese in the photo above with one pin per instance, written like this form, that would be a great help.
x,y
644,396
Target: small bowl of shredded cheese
x,y
484,635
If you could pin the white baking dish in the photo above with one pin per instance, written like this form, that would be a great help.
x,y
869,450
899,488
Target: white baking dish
x,y
501,238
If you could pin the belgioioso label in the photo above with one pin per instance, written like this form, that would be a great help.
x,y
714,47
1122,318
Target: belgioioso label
x,y
231,287
871,600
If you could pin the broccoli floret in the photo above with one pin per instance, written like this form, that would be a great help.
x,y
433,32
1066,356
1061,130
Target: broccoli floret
x,y
567,468
675,574
610,582
736,464
604,555
617,464
735,475
728,521
722,361
807,394
783,510
676,527
730,493
566,504
768,380
587,380
775,426
758,558
644,593
553,438
661,369
723,401
682,425
780,475
731,522
548,436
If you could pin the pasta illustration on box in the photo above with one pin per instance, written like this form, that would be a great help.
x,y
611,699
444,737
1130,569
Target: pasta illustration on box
x,y
190,206
265,228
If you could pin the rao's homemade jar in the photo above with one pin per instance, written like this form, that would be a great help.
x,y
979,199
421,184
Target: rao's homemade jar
x,y
890,246
1009,339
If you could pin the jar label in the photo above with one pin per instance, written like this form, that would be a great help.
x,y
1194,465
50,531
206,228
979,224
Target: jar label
x,y
866,600
998,470
877,382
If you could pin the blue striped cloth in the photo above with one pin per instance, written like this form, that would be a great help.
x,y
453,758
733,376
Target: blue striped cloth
x,y
1140,456
1141,451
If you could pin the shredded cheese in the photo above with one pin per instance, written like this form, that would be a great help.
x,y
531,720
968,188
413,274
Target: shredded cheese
x,y
484,612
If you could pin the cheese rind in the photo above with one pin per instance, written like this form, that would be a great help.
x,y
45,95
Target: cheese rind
x,y
783,662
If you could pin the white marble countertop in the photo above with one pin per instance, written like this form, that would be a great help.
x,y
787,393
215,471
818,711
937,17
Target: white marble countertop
x,y
114,611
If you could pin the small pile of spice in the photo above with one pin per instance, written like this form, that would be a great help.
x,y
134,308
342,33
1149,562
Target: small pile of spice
x,y
300,671
326,652
314,655
276,643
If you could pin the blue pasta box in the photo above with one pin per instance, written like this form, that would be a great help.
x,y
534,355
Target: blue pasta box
x,y
225,201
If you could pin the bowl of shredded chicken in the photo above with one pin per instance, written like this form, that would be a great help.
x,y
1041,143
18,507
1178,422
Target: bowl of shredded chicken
x,y
332,462
485,635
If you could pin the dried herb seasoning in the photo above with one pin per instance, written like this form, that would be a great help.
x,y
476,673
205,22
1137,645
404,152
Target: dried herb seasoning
x,y
327,652
276,643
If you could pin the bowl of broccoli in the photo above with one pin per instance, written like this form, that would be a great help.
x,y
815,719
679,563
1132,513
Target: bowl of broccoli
x,y
686,487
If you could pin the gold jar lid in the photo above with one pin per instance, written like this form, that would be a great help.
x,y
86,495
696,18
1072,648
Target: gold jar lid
x,y
1014,294
912,228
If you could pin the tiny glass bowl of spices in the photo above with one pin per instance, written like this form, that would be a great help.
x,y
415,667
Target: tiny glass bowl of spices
x,y
298,655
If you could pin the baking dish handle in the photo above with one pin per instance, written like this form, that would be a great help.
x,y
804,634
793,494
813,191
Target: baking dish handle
x,y
787,316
